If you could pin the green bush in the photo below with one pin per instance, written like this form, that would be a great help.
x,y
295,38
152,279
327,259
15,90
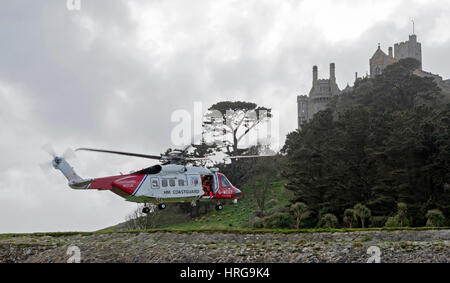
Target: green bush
x,y
392,222
329,221
378,221
395,221
350,218
279,220
435,218
400,219
278,209
258,223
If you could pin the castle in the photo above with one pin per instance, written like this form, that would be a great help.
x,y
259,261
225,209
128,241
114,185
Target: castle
x,y
407,49
319,95
324,89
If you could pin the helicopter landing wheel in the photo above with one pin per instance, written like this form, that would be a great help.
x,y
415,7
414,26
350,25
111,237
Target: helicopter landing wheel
x,y
146,210
162,205
219,206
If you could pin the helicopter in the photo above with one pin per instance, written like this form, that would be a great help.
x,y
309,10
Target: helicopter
x,y
172,181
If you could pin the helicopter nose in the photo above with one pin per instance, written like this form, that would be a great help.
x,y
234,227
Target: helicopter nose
x,y
237,193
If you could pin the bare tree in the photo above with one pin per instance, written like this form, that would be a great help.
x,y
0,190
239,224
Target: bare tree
x,y
137,220
264,170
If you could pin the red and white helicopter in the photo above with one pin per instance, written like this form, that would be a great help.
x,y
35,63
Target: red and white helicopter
x,y
158,184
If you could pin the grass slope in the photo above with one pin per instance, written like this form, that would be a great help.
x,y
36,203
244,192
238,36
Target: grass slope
x,y
237,215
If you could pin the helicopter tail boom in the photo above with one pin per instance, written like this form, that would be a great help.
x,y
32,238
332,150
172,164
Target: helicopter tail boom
x,y
75,181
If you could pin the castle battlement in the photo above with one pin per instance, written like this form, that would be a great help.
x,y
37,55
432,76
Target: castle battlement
x,y
321,92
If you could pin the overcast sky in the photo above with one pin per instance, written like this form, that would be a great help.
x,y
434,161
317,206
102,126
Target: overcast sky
x,y
111,74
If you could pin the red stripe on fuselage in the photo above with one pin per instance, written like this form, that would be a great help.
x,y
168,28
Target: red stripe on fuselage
x,y
125,183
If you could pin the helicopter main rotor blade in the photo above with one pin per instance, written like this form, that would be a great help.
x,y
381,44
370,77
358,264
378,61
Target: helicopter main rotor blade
x,y
196,158
122,153
246,156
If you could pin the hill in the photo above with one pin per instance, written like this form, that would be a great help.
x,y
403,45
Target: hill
x,y
232,216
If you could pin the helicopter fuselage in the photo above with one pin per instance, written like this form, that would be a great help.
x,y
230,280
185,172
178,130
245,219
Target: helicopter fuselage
x,y
167,183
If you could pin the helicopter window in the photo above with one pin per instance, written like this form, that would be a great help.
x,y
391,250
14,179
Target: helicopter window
x,y
181,183
172,182
224,182
155,184
164,182
194,181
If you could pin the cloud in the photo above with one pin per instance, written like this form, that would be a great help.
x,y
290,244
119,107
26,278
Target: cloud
x,y
111,75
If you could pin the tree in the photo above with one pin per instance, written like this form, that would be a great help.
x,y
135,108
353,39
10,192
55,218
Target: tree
x,y
138,220
300,211
402,212
362,212
329,221
401,218
263,171
435,218
386,140
278,220
231,121
203,149
350,217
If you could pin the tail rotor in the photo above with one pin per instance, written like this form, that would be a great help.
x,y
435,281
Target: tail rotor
x,y
46,166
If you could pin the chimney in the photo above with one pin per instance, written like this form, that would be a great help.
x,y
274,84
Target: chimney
x,y
390,52
332,72
314,74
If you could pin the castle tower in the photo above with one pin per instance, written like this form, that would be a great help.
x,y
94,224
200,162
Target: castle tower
x,y
320,94
409,49
315,74
379,61
332,72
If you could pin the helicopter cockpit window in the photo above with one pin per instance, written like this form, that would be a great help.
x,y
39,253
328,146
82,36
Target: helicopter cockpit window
x,y
155,184
224,182
164,182
172,182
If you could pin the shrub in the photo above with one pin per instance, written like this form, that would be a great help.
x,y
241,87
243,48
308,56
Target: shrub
x,y
329,221
400,219
392,222
258,223
362,212
272,202
435,218
278,209
350,218
279,220
378,221
300,211
402,214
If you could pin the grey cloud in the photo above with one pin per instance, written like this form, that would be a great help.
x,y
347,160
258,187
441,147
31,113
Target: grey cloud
x,y
82,79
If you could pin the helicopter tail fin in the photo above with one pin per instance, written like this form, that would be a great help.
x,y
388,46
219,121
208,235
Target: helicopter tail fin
x,y
75,181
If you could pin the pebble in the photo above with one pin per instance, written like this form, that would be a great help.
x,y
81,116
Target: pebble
x,y
200,247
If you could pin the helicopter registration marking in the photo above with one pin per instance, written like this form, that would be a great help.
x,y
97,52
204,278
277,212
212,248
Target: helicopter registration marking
x,y
181,192
176,192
